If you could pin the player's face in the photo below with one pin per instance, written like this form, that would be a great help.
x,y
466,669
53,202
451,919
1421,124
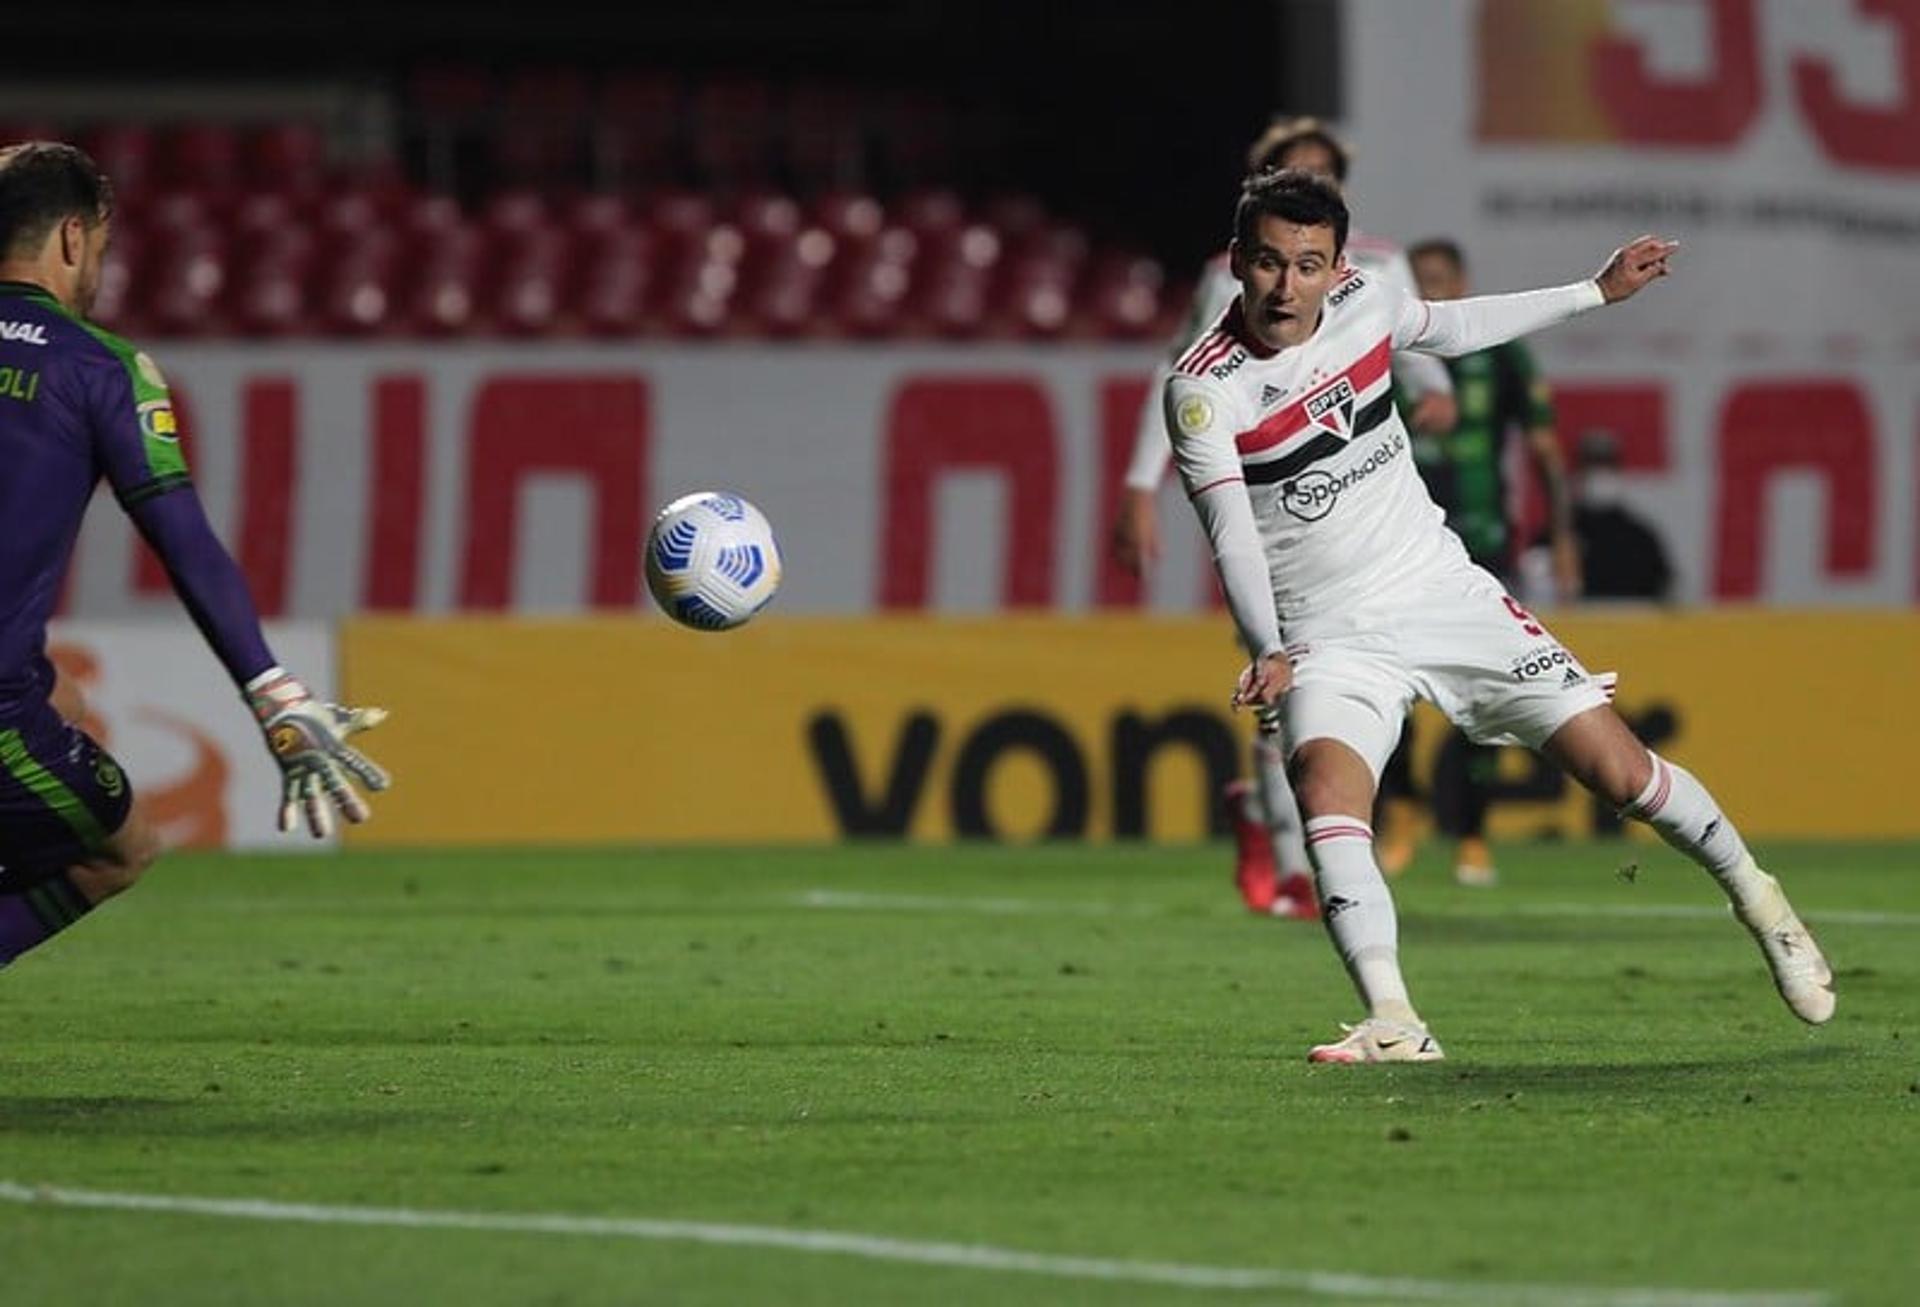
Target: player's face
x,y
1438,277
1285,274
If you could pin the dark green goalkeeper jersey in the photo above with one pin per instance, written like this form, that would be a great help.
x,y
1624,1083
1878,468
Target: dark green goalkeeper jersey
x,y
1499,391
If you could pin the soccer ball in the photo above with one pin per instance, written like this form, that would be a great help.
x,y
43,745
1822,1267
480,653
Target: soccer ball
x,y
711,561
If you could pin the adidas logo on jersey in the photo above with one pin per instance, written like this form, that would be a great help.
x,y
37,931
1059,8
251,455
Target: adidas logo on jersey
x,y
1271,395
27,333
1572,678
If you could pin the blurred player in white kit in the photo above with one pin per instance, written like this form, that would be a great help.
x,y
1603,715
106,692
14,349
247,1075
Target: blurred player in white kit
x,y
1353,598
1270,858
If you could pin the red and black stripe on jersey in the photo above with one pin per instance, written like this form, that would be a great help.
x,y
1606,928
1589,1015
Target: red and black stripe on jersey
x,y
1287,432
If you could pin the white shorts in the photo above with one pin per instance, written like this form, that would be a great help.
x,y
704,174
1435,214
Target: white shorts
x,y
1453,637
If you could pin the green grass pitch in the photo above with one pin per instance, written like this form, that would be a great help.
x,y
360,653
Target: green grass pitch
x,y
1070,1052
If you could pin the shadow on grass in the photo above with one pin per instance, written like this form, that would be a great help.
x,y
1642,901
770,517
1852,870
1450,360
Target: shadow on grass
x,y
112,1115
1478,1080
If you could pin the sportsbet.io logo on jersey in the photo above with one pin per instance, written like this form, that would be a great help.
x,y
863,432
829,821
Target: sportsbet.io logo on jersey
x,y
1312,495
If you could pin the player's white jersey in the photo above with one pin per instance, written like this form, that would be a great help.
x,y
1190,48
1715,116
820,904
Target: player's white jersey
x,y
1216,289
1313,434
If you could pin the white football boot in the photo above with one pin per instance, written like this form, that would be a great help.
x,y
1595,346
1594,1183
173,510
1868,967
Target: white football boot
x,y
1378,1040
1800,970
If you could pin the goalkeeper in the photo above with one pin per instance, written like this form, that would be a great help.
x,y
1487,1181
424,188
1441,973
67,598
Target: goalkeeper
x,y
79,404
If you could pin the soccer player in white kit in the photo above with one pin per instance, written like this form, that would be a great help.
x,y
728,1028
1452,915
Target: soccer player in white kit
x,y
1271,857
1353,598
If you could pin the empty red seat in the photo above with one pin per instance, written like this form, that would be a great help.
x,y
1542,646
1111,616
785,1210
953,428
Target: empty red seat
x,y
700,285
516,210
958,281
186,279
286,156
273,282
767,214
930,214
1036,296
616,282
359,292
529,295
598,212
201,156
1126,296
449,281
785,282
850,216
122,274
871,291
125,153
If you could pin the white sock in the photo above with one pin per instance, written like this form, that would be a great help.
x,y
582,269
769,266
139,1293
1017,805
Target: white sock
x,y
1358,910
1277,804
1678,807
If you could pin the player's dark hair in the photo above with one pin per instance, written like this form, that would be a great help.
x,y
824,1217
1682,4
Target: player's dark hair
x,y
1271,147
1292,196
43,183
1441,246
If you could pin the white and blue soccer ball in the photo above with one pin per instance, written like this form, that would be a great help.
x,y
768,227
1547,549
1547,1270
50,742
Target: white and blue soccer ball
x,y
711,561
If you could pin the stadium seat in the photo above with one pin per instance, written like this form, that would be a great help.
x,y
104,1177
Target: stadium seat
x,y
767,215
1035,298
849,216
635,132
930,214
359,292
187,278
272,283
179,210
1125,296
676,213
286,156
122,277
428,213
783,284
616,282
598,212
959,281
515,211
451,281
125,153
447,108
201,156
530,294
1016,216
701,284
259,213
874,283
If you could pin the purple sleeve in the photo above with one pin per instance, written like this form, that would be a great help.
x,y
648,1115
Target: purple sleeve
x,y
206,578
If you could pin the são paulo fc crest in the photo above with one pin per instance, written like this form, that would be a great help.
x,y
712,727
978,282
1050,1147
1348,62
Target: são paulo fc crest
x,y
1331,408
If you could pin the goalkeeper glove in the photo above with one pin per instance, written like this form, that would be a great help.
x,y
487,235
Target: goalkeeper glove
x,y
308,739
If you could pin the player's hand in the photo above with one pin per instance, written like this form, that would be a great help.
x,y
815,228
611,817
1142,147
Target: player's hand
x,y
1634,265
1136,531
1435,414
308,739
1263,682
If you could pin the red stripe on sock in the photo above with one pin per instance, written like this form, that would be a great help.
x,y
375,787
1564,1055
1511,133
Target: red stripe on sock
x,y
1339,833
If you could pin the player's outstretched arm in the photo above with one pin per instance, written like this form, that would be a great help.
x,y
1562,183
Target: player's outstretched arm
x,y
1457,327
308,739
137,444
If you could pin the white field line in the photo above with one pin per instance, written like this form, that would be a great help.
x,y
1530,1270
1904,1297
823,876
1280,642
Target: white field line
x,y
873,1247
860,901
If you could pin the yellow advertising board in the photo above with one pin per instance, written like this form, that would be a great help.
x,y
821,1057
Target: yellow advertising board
x,y
607,730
